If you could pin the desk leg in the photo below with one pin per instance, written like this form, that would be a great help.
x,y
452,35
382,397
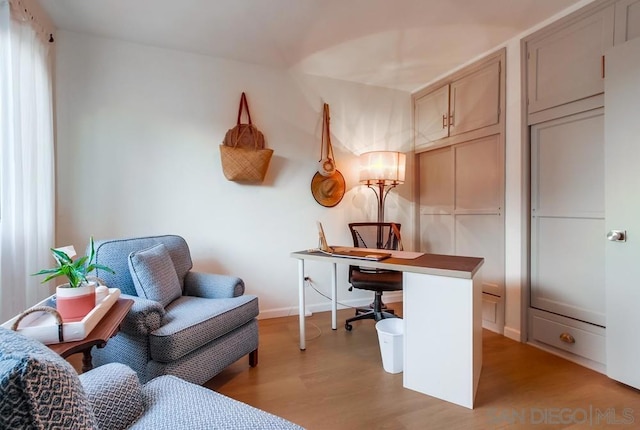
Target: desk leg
x,y
301,308
87,360
334,297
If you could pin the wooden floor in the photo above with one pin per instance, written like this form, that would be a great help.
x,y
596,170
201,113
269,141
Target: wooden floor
x,y
339,383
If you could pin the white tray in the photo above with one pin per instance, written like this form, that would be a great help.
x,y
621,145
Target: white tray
x,y
42,326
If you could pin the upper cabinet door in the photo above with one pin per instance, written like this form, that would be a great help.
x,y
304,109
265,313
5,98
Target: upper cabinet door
x,y
627,20
475,100
461,107
431,116
566,65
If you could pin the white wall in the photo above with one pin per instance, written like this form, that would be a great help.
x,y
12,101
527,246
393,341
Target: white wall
x,y
138,130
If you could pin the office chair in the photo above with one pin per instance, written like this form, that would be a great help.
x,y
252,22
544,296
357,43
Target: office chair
x,y
380,235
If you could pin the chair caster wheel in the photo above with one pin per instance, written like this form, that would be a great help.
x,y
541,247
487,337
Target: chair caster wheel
x,y
348,327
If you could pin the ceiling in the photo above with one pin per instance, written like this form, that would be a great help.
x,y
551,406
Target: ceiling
x,y
400,44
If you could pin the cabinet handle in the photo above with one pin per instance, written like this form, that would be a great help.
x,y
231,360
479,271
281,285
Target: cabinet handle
x,y
567,338
444,120
450,120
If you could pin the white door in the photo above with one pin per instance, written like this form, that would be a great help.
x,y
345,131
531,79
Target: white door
x,y
622,206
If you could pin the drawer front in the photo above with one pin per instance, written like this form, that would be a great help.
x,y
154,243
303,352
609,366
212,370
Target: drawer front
x,y
569,338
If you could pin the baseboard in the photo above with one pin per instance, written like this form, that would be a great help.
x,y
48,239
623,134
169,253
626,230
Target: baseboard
x,y
326,306
512,334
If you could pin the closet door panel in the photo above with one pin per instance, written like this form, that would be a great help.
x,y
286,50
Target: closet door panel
x,y
436,181
478,176
567,155
483,235
436,234
567,276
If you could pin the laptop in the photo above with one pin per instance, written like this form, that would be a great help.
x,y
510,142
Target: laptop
x,y
347,252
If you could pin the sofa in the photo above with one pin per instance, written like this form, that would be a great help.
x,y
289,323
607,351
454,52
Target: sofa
x,y
183,323
40,390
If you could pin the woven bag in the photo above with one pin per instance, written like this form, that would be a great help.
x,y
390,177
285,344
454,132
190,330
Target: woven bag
x,y
242,153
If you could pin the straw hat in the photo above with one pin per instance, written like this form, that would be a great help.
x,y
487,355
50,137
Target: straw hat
x,y
328,190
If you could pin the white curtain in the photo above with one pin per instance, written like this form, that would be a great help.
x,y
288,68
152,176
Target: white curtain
x,y
26,162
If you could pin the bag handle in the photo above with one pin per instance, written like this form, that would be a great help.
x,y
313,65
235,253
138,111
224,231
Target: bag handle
x,y
325,130
47,309
245,105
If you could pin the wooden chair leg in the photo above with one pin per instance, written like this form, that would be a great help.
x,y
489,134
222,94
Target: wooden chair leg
x,y
253,358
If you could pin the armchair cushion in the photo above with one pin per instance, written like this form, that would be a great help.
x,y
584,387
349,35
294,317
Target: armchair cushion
x,y
115,394
154,275
191,322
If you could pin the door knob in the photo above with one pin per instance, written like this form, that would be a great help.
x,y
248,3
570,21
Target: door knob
x,y
617,236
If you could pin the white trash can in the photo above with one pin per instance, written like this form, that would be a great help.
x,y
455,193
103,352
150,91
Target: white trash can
x,y
390,337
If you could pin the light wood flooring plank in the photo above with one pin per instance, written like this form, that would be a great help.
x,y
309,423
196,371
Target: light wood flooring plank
x,y
339,383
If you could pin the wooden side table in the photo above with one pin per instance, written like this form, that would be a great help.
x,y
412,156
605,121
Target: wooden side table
x,y
104,330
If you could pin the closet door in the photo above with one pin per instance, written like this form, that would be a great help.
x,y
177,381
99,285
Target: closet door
x,y
567,216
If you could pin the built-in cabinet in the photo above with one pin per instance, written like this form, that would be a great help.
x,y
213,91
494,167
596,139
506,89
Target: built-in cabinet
x,y
460,173
565,82
461,108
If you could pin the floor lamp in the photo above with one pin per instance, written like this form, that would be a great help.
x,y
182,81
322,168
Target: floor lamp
x,y
382,171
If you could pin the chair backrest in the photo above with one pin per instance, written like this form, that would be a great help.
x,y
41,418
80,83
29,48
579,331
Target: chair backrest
x,y
115,253
381,235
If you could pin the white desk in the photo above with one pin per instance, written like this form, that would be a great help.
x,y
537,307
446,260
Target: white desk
x,y
442,307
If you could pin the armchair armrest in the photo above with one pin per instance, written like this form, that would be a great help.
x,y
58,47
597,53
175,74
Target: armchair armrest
x,y
115,394
212,285
144,316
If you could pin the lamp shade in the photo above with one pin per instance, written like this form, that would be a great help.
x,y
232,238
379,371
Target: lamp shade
x,y
382,167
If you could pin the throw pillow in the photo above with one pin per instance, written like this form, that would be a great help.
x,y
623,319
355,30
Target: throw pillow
x,y
39,389
154,274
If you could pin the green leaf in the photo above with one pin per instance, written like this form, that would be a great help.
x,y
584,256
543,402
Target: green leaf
x,y
93,267
61,257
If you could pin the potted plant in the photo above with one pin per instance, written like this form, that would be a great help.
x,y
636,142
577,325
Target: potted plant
x,y
75,299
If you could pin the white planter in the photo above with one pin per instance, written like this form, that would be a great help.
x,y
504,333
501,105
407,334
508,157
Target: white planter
x,y
73,304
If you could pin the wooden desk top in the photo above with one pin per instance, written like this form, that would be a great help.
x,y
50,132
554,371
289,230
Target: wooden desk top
x,y
107,327
430,264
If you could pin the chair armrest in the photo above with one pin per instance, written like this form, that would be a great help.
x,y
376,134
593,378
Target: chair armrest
x,y
115,394
144,316
212,285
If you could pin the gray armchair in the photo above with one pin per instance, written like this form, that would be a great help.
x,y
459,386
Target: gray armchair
x,y
182,323
39,390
